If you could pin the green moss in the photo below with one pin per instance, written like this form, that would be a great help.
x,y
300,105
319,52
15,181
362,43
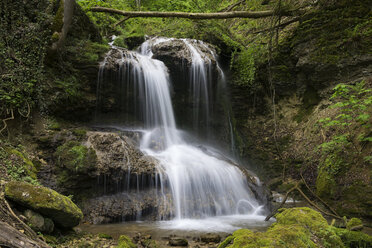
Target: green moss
x,y
55,37
226,242
338,33
125,242
104,236
79,132
76,157
353,222
295,227
53,125
325,183
20,168
45,201
354,239
149,243
58,18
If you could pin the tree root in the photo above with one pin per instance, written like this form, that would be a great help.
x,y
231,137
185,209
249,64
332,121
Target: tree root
x,y
7,119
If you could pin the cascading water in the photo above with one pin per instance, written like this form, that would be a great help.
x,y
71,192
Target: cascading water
x,y
201,184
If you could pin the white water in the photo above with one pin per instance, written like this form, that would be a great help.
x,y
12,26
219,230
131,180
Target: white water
x,y
202,186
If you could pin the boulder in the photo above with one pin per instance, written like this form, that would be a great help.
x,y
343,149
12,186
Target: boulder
x,y
45,201
176,241
38,223
210,238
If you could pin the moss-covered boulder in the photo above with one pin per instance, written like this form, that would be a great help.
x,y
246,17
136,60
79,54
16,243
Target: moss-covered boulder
x,y
125,242
76,157
298,227
46,202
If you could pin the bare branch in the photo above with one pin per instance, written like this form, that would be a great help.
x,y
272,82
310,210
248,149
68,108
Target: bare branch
x,y
121,21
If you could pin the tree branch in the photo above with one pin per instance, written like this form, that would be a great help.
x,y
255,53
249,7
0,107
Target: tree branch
x,y
200,16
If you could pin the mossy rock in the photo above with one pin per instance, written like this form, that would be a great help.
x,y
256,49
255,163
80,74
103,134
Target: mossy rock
x,y
76,157
46,202
125,242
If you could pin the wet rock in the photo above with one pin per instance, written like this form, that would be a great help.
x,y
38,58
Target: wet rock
x,y
45,201
210,238
176,241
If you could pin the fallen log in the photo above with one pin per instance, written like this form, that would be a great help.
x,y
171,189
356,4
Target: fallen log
x,y
192,15
11,237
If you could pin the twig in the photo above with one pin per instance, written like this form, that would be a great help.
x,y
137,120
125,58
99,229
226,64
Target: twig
x,y
121,21
229,8
281,204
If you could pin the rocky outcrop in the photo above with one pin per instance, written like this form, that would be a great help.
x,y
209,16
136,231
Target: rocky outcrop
x,y
144,204
45,201
117,155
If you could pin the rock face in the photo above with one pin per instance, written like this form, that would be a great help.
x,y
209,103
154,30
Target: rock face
x,y
46,202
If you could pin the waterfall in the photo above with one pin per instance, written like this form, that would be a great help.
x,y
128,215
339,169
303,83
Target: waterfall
x,y
200,182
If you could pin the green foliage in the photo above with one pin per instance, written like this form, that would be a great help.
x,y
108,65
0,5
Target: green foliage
x,y
23,41
353,105
17,165
348,132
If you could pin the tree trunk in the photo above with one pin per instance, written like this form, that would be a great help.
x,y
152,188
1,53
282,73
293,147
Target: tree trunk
x,y
200,16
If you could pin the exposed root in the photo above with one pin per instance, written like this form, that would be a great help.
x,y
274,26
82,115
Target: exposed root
x,y
7,119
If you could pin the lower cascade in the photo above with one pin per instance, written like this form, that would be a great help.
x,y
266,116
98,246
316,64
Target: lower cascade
x,y
190,181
